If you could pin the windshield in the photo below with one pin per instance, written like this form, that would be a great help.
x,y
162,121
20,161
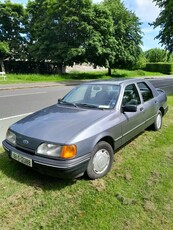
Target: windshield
x,y
93,96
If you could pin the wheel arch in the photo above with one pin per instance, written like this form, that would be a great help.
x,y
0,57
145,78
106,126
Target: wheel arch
x,y
109,140
162,111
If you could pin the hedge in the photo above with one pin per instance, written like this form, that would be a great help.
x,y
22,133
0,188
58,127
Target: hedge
x,y
165,68
26,67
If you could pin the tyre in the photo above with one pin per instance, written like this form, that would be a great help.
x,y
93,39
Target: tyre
x,y
100,161
158,121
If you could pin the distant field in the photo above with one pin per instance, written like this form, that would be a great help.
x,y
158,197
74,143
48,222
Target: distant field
x,y
26,78
136,194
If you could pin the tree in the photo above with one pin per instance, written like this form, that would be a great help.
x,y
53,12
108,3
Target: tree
x,y
4,52
12,27
127,33
141,62
164,22
59,29
101,45
157,55
68,31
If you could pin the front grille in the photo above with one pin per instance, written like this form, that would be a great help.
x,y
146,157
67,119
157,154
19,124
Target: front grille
x,y
26,150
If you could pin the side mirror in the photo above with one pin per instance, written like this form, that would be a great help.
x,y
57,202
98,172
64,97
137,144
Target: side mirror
x,y
59,100
129,108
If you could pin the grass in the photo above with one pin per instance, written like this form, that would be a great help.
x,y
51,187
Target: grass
x,y
136,194
27,78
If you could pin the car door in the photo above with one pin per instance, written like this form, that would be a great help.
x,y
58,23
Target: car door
x,y
132,122
150,103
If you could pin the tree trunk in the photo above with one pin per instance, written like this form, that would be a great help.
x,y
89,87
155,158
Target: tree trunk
x,y
2,65
109,71
61,69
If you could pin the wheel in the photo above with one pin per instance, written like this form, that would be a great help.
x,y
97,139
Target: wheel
x,y
158,121
100,161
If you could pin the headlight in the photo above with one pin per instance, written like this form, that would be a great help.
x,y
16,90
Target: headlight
x,y
11,137
52,150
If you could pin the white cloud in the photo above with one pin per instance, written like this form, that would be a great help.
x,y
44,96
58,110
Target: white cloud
x,y
146,10
96,1
129,4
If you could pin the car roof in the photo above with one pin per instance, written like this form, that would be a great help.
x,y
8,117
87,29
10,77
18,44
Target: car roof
x,y
116,81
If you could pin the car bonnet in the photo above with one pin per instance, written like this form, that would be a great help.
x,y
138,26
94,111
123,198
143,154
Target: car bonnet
x,y
57,124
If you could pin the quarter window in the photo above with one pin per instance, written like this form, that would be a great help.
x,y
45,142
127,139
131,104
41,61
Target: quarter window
x,y
145,91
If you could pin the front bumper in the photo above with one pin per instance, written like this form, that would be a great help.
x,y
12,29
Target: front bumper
x,y
71,168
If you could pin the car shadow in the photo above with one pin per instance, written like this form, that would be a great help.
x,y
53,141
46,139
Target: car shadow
x,y
25,175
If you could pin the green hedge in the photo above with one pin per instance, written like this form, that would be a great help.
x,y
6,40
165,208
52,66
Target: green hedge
x,y
31,67
165,68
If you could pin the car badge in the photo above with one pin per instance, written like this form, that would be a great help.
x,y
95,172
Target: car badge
x,y
26,142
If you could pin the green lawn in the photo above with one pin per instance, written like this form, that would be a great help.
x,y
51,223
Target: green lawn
x,y
26,78
136,194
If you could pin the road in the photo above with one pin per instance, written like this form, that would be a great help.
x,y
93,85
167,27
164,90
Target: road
x,y
17,103
163,83
22,101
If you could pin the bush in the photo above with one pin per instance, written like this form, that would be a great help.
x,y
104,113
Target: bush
x,y
28,67
165,68
141,63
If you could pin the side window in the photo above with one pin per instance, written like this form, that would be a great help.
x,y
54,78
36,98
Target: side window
x,y
145,91
131,96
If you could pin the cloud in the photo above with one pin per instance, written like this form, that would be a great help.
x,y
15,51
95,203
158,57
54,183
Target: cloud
x,y
146,10
96,1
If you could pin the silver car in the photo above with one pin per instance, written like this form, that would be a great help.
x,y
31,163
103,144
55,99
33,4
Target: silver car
x,y
81,133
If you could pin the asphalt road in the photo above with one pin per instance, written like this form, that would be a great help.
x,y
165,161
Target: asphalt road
x,y
163,83
21,101
17,103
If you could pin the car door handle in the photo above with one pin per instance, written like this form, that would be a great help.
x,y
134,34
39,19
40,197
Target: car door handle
x,y
141,109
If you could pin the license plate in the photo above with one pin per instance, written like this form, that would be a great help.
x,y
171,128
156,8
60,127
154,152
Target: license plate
x,y
24,160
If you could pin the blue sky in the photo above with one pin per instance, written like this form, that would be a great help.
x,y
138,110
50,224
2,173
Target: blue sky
x,y
146,11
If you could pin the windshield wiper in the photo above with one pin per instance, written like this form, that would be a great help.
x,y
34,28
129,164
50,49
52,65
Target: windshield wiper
x,y
88,105
67,103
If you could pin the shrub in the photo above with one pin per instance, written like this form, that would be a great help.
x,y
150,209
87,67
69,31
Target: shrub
x,y
165,68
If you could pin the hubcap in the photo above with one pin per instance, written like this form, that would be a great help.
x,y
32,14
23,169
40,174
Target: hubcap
x,y
101,161
159,121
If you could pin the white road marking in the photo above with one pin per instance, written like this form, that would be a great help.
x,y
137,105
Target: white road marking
x,y
16,116
24,94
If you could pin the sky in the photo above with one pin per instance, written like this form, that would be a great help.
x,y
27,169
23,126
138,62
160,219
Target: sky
x,y
146,11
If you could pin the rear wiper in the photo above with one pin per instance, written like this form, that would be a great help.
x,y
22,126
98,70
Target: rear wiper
x,y
67,103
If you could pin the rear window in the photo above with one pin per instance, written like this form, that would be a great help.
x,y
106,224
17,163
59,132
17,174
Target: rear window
x,y
145,91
